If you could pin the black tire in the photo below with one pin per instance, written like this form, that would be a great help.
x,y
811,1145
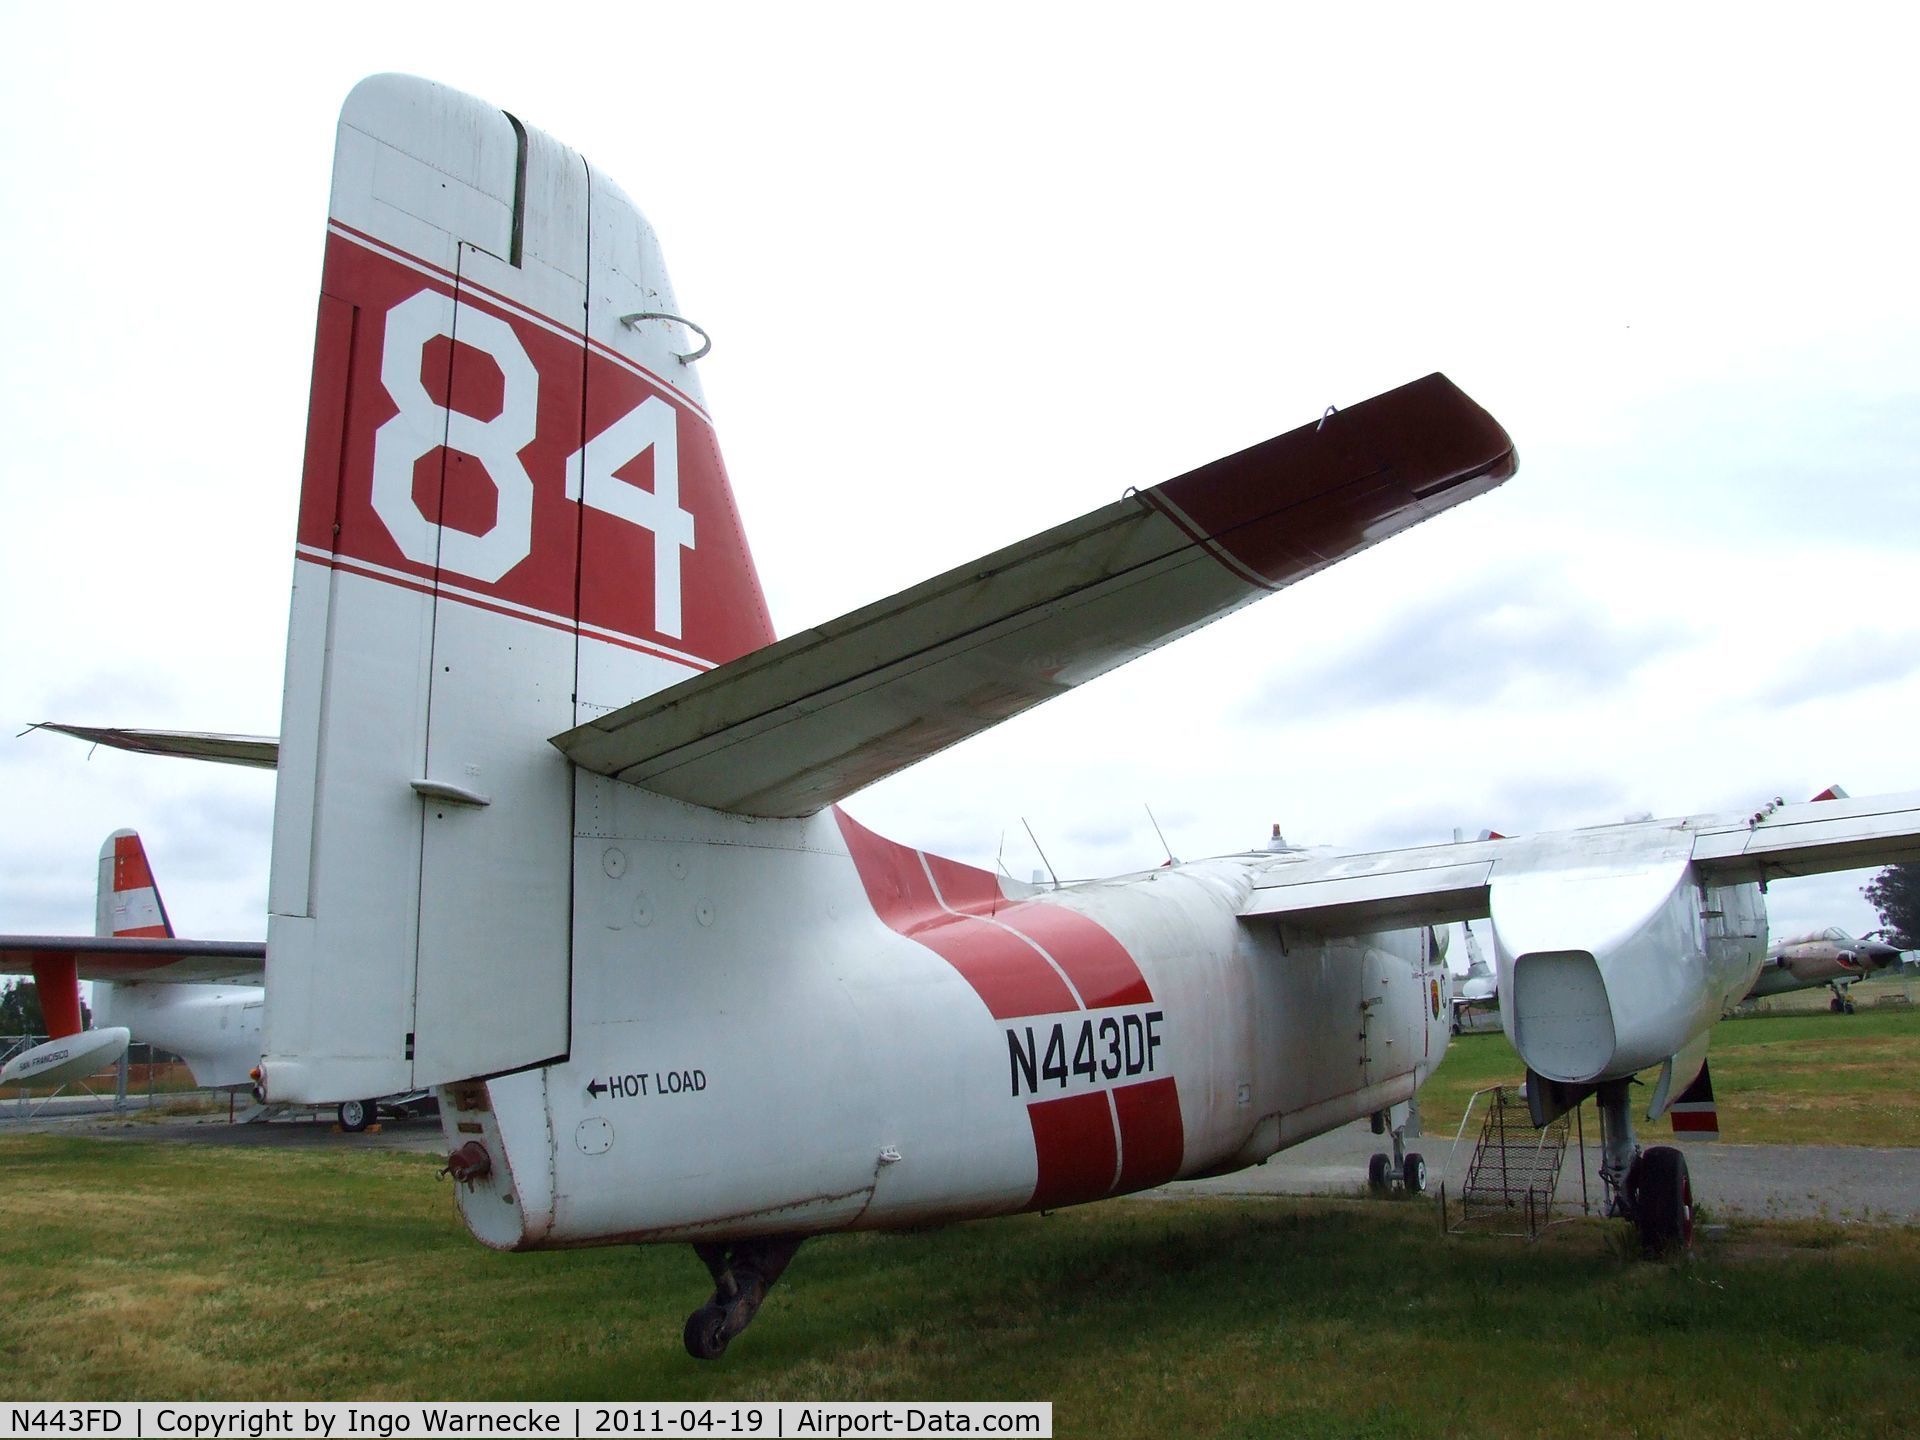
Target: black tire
x,y
706,1333
1663,1201
1849,1007
356,1115
1379,1173
1836,1005
1413,1173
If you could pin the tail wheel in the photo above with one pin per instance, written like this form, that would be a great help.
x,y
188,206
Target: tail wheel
x,y
1379,1172
1663,1201
706,1333
1413,1174
356,1115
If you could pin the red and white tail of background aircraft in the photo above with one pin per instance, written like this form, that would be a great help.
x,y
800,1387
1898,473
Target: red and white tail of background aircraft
x,y
199,1001
557,826
202,1000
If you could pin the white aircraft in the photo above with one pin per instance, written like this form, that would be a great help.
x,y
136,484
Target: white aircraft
x,y
202,1001
557,832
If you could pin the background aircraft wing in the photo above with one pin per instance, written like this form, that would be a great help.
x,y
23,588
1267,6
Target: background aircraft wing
x,y
793,727
1438,884
239,962
261,752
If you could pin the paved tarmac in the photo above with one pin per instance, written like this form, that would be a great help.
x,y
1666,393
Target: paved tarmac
x,y
1826,1182
1829,1182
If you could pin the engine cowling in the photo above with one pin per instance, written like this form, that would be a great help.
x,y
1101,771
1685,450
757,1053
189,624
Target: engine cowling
x,y
1609,968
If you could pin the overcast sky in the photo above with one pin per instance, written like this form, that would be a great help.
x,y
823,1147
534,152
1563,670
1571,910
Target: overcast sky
x,y
972,274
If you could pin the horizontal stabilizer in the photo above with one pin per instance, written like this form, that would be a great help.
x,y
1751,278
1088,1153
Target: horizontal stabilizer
x,y
261,752
108,957
791,728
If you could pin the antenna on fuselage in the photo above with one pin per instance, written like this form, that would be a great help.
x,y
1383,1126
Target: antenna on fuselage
x,y
1156,830
1041,853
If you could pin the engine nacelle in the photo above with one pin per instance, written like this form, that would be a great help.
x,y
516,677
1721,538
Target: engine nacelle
x,y
1608,969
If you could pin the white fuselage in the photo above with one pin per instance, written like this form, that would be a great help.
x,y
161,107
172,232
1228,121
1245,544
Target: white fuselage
x,y
768,1036
215,1029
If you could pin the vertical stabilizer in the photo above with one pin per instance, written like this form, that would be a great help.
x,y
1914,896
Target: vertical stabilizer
x,y
513,517
127,901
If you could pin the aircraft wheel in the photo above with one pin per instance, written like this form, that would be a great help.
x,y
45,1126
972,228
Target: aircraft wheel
x,y
706,1333
1849,1007
1663,1201
1379,1172
1413,1174
1836,1005
356,1115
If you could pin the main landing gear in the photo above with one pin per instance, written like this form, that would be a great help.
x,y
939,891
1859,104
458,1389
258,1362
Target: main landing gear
x,y
357,1115
1840,1004
1408,1168
742,1273
1651,1187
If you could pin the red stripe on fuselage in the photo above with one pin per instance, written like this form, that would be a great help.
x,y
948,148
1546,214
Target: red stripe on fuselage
x,y
1073,1142
1014,954
1152,1137
1097,964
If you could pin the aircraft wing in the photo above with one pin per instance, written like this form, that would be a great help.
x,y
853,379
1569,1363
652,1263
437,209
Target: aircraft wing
x,y
1439,884
261,752
793,727
237,962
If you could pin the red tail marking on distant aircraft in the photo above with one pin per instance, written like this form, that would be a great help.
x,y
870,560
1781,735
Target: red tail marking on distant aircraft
x,y
1001,948
131,872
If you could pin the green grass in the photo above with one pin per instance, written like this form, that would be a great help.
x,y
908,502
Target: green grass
x,y
139,1269
1782,1079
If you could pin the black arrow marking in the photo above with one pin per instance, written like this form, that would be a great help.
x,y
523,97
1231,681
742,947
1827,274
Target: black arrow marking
x,y
596,1089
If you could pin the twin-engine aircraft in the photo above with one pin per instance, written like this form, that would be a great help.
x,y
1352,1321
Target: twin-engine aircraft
x,y
557,824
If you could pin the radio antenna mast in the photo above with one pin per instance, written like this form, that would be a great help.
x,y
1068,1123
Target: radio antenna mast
x,y
1041,853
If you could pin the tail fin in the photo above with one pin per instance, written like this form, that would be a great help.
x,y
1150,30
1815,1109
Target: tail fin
x,y
513,518
127,903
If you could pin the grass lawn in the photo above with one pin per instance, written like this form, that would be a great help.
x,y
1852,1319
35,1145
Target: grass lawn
x,y
135,1269
1784,1079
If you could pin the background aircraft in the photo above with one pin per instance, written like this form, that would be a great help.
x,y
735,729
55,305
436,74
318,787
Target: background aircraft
x,y
1476,995
205,1008
668,989
1831,957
